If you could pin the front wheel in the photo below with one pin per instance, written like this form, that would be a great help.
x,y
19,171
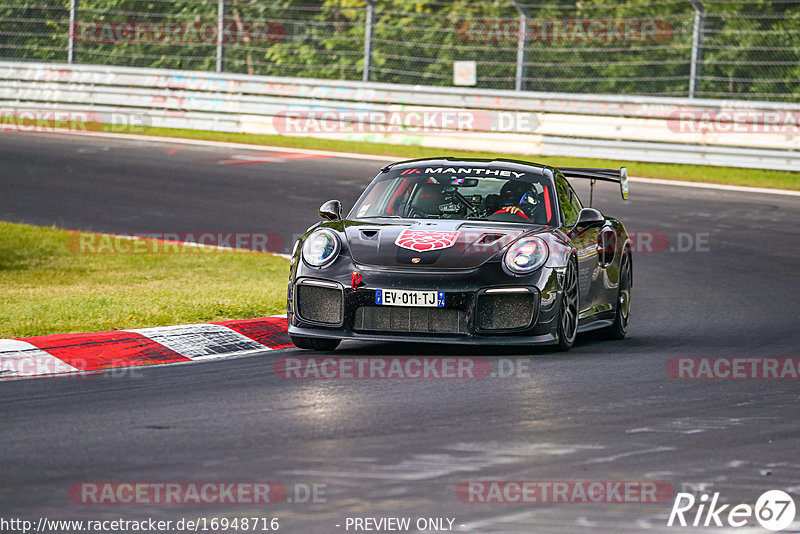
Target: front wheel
x,y
619,329
313,343
568,318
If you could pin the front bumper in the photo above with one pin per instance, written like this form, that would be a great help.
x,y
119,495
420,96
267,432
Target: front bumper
x,y
465,305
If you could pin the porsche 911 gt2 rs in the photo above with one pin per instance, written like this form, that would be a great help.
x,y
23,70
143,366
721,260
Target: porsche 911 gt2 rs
x,y
463,251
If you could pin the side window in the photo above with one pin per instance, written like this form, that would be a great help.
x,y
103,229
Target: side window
x,y
566,201
575,201
398,197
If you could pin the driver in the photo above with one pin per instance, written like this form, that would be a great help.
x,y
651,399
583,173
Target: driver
x,y
513,196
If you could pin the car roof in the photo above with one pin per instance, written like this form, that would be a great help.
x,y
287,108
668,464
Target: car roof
x,y
507,164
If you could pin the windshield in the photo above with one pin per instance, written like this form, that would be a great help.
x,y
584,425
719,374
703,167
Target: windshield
x,y
505,195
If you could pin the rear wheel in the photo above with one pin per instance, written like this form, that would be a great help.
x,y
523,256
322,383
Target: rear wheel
x,y
313,343
619,329
568,318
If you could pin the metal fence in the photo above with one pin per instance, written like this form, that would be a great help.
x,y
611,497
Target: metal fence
x,y
732,49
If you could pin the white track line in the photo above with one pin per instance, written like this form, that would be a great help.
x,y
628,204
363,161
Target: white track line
x,y
241,146
372,157
723,187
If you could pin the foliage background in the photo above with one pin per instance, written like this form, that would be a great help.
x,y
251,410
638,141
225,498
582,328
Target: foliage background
x,y
751,48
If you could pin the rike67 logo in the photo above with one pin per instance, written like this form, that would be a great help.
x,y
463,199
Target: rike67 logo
x,y
774,510
425,240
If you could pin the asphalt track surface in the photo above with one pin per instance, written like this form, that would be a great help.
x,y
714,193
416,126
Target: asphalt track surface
x,y
603,411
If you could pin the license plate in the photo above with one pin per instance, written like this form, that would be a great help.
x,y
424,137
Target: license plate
x,y
417,299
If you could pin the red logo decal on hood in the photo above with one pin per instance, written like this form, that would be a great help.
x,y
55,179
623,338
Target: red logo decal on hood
x,y
425,240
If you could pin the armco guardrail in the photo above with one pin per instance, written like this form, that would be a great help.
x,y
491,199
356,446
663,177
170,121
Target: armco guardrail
x,y
674,130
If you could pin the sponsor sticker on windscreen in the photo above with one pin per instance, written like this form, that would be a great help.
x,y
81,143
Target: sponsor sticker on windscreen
x,y
419,299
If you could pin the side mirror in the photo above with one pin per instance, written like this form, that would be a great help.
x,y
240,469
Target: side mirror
x,y
590,218
331,210
623,182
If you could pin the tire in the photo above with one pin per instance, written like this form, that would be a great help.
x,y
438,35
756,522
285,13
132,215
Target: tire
x,y
619,329
313,343
570,305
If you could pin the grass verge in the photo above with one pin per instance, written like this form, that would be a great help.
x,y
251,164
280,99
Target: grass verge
x,y
666,171
47,288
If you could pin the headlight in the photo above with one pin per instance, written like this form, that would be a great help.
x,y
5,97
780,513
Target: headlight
x,y
526,255
321,248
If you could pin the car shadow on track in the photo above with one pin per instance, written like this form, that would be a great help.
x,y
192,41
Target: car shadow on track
x,y
587,344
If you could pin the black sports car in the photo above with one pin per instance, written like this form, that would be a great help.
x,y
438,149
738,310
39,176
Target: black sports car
x,y
463,251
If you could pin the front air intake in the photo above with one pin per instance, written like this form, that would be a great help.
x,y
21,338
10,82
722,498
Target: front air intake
x,y
319,304
501,311
412,320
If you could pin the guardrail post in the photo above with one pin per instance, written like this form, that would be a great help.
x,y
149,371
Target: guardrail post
x,y
522,42
697,43
369,34
73,17
220,36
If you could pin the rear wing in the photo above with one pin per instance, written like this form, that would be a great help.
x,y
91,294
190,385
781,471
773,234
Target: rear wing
x,y
619,176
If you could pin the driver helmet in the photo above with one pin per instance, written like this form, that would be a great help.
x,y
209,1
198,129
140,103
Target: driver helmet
x,y
513,193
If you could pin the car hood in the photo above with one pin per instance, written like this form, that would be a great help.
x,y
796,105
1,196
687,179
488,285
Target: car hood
x,y
445,244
